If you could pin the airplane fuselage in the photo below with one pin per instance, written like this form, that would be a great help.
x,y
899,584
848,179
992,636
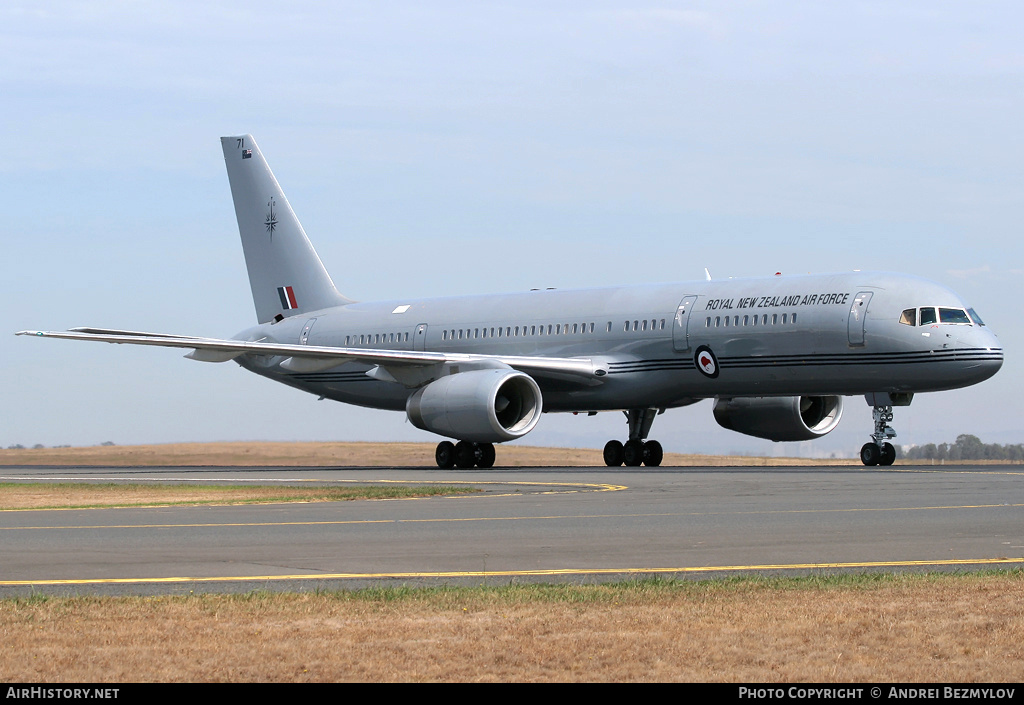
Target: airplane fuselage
x,y
796,335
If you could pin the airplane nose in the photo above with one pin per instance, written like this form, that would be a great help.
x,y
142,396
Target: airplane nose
x,y
982,348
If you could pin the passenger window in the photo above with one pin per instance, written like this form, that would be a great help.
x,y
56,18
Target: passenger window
x,y
927,316
784,317
909,317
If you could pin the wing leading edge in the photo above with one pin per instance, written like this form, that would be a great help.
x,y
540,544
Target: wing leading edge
x,y
309,358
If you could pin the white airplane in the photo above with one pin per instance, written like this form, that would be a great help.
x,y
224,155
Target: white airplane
x,y
775,354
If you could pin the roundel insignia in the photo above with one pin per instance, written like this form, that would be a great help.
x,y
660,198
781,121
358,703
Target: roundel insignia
x,y
706,361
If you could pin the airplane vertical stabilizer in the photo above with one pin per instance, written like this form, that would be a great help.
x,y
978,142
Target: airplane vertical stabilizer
x,y
285,273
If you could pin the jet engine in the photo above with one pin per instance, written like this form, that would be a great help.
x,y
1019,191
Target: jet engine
x,y
780,418
484,406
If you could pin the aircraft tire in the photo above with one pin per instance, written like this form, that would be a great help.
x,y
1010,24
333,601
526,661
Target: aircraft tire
x,y
633,453
613,454
445,455
870,454
485,455
465,455
888,455
653,454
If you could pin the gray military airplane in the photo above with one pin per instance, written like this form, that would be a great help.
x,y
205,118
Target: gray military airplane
x,y
776,354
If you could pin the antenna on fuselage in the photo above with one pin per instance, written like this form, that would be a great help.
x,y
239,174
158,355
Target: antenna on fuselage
x,y
707,274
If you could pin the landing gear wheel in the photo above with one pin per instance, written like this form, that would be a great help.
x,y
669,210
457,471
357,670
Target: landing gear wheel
x,y
613,454
485,455
633,453
465,454
445,455
870,454
888,455
653,454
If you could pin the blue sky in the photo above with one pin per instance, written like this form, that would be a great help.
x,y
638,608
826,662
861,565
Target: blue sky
x,y
452,148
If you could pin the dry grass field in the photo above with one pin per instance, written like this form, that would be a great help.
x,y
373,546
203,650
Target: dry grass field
x,y
857,628
66,495
330,454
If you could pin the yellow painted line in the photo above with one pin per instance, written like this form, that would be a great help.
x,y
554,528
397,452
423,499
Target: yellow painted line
x,y
453,520
956,472
85,480
523,573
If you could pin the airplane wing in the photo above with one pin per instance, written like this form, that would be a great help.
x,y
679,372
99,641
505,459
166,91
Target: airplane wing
x,y
314,358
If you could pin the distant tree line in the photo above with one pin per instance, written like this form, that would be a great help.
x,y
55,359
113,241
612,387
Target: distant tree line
x,y
967,447
18,446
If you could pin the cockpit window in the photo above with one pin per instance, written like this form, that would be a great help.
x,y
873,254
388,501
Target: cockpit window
x,y
953,315
929,315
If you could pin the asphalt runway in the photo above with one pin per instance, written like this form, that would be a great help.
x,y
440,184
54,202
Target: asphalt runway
x,y
584,525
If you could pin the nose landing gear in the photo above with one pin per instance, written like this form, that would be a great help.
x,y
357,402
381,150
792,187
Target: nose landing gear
x,y
879,451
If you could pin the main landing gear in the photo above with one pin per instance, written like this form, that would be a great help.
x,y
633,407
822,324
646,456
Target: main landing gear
x,y
636,451
879,451
464,455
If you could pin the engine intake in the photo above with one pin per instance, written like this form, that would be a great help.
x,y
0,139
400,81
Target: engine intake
x,y
484,406
780,418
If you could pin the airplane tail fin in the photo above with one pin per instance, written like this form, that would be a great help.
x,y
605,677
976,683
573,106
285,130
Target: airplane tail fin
x,y
285,273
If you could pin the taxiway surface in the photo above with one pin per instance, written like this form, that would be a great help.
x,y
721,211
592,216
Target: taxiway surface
x,y
539,524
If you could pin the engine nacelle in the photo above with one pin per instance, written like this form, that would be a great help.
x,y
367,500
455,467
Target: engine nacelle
x,y
780,418
485,406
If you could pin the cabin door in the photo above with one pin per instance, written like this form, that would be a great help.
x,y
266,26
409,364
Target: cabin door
x,y
304,335
420,340
681,324
858,312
